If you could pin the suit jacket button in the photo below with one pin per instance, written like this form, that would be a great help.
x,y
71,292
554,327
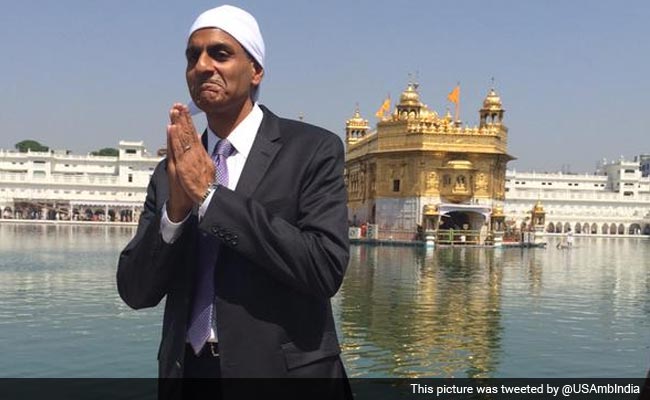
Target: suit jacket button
x,y
178,364
214,230
233,242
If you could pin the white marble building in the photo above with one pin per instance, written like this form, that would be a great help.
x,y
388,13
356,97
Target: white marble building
x,y
614,201
58,185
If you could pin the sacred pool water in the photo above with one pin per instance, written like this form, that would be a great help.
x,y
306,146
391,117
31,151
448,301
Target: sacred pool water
x,y
402,311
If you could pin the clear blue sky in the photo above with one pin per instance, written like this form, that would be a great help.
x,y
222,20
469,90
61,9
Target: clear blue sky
x,y
572,75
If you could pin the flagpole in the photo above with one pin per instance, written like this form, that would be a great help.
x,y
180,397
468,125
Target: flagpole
x,y
458,104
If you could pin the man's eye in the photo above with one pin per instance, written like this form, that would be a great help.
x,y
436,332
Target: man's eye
x,y
192,56
219,55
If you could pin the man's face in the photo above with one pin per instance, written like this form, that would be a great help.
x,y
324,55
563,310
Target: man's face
x,y
220,74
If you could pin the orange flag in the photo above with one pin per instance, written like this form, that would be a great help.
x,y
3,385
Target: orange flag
x,y
385,107
454,95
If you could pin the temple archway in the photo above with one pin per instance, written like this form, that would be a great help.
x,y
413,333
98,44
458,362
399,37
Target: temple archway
x,y
455,220
634,229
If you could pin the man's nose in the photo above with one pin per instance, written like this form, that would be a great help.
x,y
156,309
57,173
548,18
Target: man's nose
x,y
205,62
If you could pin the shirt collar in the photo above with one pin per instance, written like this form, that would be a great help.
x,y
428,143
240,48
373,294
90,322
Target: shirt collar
x,y
243,135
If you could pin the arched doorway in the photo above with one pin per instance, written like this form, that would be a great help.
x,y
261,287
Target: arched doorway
x,y
558,227
99,215
594,228
550,228
646,229
455,220
612,228
461,227
621,229
605,229
634,229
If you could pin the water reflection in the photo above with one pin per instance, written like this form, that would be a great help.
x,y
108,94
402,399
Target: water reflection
x,y
60,315
471,312
402,311
409,312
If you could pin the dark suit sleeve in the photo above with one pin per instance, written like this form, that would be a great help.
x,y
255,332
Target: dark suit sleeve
x,y
310,255
146,264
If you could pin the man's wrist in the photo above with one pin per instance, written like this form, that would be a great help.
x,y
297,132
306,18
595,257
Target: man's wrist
x,y
211,187
174,214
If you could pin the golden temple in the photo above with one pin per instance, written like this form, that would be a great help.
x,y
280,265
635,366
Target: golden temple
x,y
419,171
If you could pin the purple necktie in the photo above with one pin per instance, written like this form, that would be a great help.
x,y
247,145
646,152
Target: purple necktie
x,y
203,307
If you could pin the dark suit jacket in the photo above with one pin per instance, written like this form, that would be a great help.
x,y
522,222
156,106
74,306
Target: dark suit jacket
x,y
284,251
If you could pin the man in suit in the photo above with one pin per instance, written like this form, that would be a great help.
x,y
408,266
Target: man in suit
x,y
244,230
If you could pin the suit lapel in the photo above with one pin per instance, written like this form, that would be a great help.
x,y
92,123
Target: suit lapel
x,y
265,147
204,141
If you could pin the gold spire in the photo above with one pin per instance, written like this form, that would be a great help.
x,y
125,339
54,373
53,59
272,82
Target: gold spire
x,y
356,120
356,127
492,101
410,97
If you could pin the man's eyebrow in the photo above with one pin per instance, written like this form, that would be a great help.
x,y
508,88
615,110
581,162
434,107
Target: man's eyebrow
x,y
219,46
211,46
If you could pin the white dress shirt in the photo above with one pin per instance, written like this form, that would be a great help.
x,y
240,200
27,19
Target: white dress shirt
x,y
241,138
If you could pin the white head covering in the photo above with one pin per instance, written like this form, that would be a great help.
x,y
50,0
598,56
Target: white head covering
x,y
240,25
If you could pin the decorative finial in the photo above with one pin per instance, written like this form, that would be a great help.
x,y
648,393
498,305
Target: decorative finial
x,y
492,79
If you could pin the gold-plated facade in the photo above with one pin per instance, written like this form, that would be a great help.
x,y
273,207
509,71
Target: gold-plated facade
x,y
538,215
416,158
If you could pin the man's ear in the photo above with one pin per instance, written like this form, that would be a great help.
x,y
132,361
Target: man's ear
x,y
258,74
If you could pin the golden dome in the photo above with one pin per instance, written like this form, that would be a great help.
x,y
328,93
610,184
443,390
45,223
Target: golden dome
x,y
497,211
356,120
410,97
430,209
459,164
539,208
492,101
